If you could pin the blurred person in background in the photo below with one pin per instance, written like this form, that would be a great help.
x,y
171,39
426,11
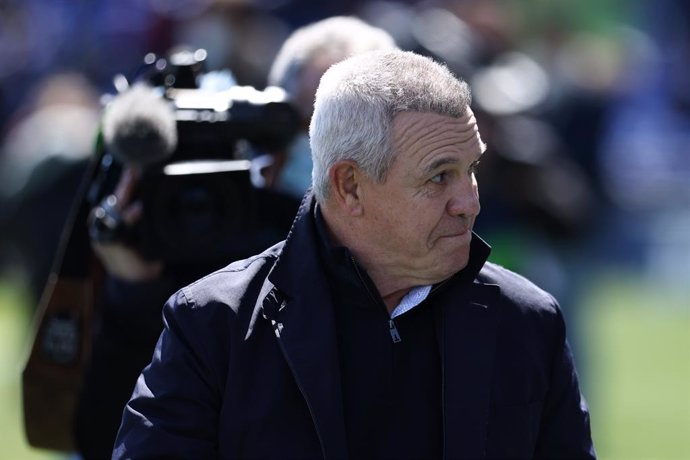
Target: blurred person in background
x,y
96,39
238,35
645,158
297,68
43,163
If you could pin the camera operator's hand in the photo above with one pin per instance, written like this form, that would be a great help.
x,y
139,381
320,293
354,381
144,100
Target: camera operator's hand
x,y
119,259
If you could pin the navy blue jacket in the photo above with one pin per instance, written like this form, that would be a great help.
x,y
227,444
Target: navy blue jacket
x,y
247,366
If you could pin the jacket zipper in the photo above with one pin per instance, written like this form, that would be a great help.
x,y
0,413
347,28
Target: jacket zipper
x,y
392,329
395,335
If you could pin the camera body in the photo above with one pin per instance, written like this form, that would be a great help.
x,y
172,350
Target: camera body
x,y
199,203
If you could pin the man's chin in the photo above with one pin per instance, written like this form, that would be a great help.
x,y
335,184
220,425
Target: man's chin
x,y
448,264
454,244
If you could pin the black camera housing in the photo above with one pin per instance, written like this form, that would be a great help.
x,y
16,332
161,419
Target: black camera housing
x,y
194,214
199,204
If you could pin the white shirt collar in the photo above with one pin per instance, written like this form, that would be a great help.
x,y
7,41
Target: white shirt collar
x,y
413,298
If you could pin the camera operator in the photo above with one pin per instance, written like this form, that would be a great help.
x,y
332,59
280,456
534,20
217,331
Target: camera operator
x,y
127,331
147,253
306,54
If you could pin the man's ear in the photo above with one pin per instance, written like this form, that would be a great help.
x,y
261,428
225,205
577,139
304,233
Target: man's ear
x,y
346,178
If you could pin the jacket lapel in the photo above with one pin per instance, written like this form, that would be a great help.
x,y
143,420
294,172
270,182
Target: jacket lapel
x,y
466,329
298,305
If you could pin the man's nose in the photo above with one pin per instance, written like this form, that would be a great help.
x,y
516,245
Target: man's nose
x,y
464,201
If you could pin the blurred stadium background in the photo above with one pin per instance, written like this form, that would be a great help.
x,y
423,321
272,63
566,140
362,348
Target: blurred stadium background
x,y
585,105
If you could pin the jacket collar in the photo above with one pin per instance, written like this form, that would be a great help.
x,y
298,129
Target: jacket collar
x,y
307,233
466,334
296,300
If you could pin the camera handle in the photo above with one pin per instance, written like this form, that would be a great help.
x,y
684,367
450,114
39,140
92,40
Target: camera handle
x,y
105,221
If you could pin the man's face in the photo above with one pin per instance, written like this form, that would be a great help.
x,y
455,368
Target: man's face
x,y
419,220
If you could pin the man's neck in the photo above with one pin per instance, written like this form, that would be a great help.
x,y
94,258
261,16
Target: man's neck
x,y
393,299
390,288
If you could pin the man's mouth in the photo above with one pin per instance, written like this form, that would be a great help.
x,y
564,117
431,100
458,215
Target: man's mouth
x,y
460,231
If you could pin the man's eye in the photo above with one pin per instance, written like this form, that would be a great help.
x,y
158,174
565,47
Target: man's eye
x,y
438,178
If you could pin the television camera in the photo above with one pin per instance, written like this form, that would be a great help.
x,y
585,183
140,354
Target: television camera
x,y
193,138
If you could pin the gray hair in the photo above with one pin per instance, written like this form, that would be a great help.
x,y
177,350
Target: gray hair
x,y
357,100
332,39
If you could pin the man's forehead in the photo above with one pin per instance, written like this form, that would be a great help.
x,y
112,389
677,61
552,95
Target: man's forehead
x,y
467,120
412,127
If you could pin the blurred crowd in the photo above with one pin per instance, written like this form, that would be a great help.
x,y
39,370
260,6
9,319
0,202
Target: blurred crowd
x,y
585,108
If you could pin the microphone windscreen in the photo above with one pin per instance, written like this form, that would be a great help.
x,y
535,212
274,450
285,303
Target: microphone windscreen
x,y
139,126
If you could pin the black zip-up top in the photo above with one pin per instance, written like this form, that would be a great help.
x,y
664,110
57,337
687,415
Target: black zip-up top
x,y
391,384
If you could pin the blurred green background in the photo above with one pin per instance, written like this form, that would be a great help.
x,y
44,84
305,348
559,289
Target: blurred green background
x,y
638,340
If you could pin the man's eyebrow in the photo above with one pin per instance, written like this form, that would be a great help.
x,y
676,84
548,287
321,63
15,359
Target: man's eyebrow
x,y
439,162
443,161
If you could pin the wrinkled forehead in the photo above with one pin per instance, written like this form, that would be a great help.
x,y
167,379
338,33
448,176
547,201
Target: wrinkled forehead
x,y
413,127
470,121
